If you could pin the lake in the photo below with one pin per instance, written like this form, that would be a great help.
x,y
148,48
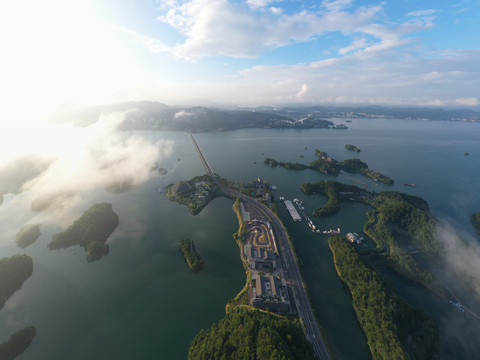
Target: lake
x,y
142,302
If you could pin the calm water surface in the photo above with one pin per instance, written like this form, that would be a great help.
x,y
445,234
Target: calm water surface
x,y
142,302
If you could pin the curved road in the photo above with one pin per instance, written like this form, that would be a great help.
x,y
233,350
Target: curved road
x,y
292,273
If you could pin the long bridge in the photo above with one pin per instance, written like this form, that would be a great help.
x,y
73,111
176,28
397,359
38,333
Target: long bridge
x,y
205,163
292,273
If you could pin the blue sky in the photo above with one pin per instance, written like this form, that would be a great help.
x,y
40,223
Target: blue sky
x,y
244,52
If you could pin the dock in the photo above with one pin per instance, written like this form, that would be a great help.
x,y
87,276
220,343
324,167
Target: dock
x,y
293,212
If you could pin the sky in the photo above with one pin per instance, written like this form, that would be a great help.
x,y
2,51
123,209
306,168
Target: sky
x,y
59,54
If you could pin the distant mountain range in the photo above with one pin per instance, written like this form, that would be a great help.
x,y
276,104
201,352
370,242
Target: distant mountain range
x,y
155,115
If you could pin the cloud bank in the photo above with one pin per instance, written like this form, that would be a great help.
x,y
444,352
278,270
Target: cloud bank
x,y
81,162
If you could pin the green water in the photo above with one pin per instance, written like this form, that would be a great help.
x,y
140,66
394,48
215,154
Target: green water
x,y
142,302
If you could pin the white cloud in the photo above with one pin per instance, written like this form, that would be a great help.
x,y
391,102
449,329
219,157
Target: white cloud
x,y
221,27
259,3
183,114
82,161
303,92
275,10
421,12
357,44
472,101
336,5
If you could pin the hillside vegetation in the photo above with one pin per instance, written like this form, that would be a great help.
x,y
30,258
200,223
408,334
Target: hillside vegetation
x,y
90,231
18,343
393,328
13,272
27,235
247,334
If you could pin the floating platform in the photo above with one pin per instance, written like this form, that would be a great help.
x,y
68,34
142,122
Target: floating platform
x,y
293,212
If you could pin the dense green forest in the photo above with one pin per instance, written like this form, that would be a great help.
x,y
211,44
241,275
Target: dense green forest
x,y
402,221
18,343
248,334
352,147
191,255
27,235
13,272
327,165
90,231
331,189
393,328
475,220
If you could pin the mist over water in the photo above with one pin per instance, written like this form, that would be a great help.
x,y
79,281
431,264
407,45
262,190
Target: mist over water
x,y
141,301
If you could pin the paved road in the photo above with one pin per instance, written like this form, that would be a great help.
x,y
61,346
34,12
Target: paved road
x,y
292,273
293,277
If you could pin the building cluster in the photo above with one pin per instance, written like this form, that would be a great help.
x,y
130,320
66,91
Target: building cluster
x,y
268,289
258,189
354,238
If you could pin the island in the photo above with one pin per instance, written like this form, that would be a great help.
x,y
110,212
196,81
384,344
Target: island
x,y
195,193
250,334
191,255
27,235
393,328
475,220
18,343
90,231
352,148
163,171
335,191
327,165
13,272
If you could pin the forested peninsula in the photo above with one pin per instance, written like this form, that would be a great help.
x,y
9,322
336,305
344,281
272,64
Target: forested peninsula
x,y
397,222
195,193
393,328
332,189
90,231
13,272
250,334
18,343
327,165
27,235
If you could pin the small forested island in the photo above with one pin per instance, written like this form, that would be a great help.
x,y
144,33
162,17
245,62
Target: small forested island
x,y
27,235
327,165
13,272
90,231
249,334
18,343
163,171
191,255
352,148
196,193
393,328
475,220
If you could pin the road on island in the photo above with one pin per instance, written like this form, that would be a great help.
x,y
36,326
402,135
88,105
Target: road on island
x,y
292,273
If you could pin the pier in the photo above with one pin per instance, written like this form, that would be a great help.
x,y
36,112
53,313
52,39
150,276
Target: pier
x,y
293,212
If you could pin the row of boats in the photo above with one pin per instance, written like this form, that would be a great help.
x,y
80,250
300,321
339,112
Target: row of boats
x,y
314,229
